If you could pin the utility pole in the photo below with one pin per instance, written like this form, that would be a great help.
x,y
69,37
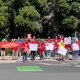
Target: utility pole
x,y
54,7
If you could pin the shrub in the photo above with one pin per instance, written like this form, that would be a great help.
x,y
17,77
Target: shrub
x,y
8,52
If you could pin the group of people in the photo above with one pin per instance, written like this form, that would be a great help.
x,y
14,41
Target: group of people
x,y
24,48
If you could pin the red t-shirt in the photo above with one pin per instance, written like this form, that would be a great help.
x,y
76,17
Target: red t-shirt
x,y
43,45
15,48
25,47
40,47
55,46
66,46
61,39
78,44
35,41
48,40
56,40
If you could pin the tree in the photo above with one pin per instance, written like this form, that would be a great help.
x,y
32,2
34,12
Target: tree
x,y
26,20
67,16
3,16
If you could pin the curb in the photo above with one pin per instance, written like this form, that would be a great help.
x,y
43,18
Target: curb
x,y
37,60
8,61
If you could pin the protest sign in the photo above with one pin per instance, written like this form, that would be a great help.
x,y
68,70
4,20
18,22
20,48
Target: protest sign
x,y
67,40
49,46
62,51
33,47
75,46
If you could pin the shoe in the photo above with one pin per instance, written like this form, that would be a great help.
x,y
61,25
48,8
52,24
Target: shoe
x,y
23,61
27,60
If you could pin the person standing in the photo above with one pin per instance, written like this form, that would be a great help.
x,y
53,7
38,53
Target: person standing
x,y
61,41
25,48
19,49
78,42
75,50
55,48
41,50
35,41
48,40
33,52
56,40
14,50
34,38
3,51
43,45
48,52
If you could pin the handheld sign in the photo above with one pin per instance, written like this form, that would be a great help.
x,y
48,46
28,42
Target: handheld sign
x,y
33,47
62,51
49,46
75,46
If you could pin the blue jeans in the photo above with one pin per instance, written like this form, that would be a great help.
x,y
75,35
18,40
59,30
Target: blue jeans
x,y
77,54
41,56
32,55
24,55
48,53
74,55
53,53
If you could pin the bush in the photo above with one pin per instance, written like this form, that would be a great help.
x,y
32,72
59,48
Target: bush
x,y
8,52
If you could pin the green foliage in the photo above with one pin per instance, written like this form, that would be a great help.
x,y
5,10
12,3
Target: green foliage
x,y
19,17
30,12
71,22
8,52
0,3
76,8
27,18
67,14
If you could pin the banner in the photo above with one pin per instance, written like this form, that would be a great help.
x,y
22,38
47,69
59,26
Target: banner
x,y
33,47
49,46
9,44
62,51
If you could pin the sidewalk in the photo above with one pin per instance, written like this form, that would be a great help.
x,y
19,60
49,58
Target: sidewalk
x,y
9,59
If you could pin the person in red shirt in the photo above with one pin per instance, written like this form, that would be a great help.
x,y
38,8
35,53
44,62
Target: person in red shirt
x,y
78,42
48,40
34,39
44,45
56,40
55,47
14,50
25,48
33,53
61,38
41,49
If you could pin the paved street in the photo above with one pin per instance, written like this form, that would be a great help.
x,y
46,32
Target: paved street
x,y
47,69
